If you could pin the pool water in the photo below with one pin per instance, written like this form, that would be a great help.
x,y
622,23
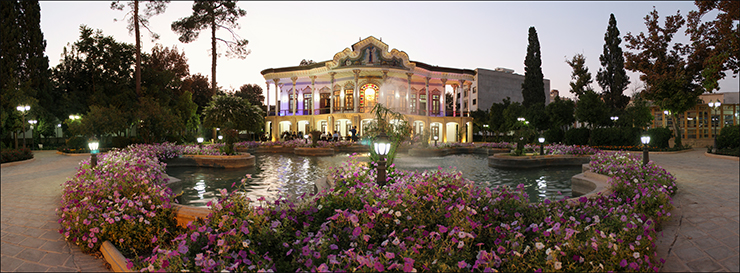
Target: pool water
x,y
276,174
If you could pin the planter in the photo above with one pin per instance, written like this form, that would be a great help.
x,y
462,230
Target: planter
x,y
536,161
314,151
274,149
213,161
188,214
589,184
353,149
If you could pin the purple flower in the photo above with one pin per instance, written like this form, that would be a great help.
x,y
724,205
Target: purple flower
x,y
182,249
623,263
357,231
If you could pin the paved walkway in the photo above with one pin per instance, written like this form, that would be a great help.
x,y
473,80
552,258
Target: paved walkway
x,y
702,235
30,232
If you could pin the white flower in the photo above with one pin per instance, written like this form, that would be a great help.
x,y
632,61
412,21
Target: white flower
x,y
319,207
547,252
398,214
636,255
460,244
539,245
558,265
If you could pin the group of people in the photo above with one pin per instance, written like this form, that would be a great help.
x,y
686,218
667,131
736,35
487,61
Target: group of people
x,y
337,136
291,135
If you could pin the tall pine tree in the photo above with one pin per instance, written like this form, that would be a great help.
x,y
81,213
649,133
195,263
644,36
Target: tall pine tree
x,y
533,87
612,77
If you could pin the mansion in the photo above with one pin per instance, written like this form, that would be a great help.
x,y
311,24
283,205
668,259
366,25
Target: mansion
x,y
338,94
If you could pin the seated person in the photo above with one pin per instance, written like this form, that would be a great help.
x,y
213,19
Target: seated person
x,y
323,136
336,136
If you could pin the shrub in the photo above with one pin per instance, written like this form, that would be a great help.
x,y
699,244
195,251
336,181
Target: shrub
x,y
615,136
122,200
76,143
120,142
554,135
660,136
10,155
577,136
729,137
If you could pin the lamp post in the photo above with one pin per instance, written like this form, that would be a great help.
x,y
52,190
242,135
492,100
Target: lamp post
x,y
382,147
714,106
93,145
306,138
23,109
645,139
33,141
485,133
200,142
542,141
614,119
435,140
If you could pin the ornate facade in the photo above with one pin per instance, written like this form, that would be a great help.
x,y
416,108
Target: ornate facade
x,y
337,94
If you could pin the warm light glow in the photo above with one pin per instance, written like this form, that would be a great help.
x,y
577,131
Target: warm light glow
x,y
200,140
220,137
541,140
436,138
370,92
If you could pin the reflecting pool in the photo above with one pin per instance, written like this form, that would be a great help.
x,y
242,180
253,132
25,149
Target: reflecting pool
x,y
276,174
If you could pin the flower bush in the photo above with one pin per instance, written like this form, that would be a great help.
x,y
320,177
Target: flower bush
x,y
497,145
122,200
10,155
430,221
560,149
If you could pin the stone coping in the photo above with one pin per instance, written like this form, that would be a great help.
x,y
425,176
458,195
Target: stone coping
x,y
114,257
307,151
655,152
438,152
536,161
728,157
73,154
213,161
589,184
8,164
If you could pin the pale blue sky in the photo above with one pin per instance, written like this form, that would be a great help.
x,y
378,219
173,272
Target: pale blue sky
x,y
451,34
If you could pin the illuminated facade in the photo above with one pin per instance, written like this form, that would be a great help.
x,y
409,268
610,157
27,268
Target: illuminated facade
x,y
337,94
698,124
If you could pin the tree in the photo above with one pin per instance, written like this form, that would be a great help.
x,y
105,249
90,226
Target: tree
x,y
187,111
396,127
496,119
154,121
140,19
716,43
637,114
231,114
202,93
214,15
671,77
561,113
253,94
613,78
580,75
166,68
24,69
533,87
591,109
480,118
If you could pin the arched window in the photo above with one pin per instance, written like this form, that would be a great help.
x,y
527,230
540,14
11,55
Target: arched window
x,y
368,94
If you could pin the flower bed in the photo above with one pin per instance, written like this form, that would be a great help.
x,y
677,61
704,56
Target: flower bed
x,y
430,221
639,148
10,155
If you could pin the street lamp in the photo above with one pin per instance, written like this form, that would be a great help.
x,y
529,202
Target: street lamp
x,y
382,147
200,142
645,139
485,133
93,145
306,137
614,119
714,106
542,141
435,140
23,109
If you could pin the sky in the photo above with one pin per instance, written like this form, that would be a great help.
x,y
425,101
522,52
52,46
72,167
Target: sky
x,y
465,35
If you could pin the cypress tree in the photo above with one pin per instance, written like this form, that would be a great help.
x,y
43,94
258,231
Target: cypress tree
x,y
612,77
533,87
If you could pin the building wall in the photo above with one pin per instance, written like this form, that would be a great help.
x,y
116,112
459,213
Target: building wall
x,y
494,86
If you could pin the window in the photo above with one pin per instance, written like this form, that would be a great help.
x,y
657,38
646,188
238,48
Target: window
x,y
413,103
337,103
473,101
291,99
349,99
423,104
474,89
324,103
307,103
435,104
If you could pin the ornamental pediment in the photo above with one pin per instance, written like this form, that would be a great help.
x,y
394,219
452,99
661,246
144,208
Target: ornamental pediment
x,y
373,53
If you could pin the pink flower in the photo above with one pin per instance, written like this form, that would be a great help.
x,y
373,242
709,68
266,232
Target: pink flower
x,y
408,264
462,264
357,231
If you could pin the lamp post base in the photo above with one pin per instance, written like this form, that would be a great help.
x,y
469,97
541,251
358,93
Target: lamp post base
x,y
381,172
645,156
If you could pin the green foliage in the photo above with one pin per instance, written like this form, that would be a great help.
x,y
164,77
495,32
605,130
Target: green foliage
x,y
660,136
554,135
580,75
577,136
537,117
253,94
715,42
510,114
613,78
103,121
315,135
187,111
76,142
561,113
729,137
120,142
591,109
615,136
533,87
496,119
233,113
637,114
396,127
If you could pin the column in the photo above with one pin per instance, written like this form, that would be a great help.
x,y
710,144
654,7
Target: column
x,y
462,84
428,104
277,96
442,102
380,98
356,94
331,94
313,95
295,94
454,99
470,97
267,98
408,90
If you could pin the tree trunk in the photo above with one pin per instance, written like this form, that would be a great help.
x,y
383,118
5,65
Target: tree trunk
x,y
676,131
137,67
213,56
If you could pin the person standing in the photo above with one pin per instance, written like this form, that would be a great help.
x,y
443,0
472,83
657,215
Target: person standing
x,y
353,133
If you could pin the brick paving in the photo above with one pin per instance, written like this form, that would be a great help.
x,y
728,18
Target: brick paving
x,y
30,239
702,235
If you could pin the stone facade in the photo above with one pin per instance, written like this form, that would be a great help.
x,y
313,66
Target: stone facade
x,y
493,86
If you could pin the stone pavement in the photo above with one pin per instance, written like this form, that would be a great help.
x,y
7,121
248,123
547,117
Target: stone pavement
x,y
702,235
30,231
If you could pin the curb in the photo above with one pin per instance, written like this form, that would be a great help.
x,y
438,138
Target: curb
x,y
727,157
114,257
73,154
17,162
